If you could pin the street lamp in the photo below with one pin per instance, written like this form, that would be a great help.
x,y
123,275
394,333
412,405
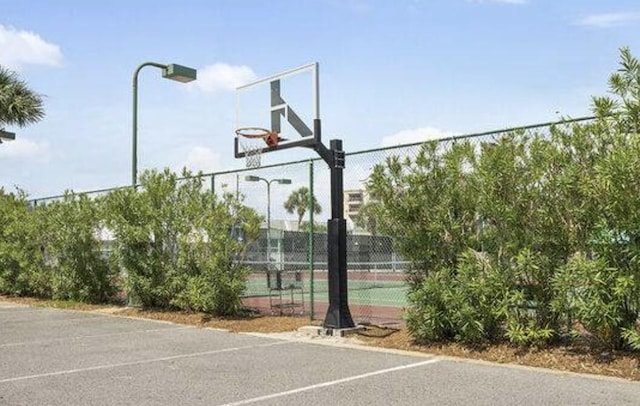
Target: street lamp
x,y
172,71
251,178
6,136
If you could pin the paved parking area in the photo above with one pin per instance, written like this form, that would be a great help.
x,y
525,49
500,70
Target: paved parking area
x,y
56,357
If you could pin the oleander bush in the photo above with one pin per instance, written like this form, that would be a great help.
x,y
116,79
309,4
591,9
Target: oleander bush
x,y
531,237
178,245
166,244
77,266
21,252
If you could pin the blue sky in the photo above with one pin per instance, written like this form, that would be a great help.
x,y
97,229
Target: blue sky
x,y
391,72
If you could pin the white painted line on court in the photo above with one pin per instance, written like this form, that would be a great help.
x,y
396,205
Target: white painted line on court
x,y
330,383
141,362
53,340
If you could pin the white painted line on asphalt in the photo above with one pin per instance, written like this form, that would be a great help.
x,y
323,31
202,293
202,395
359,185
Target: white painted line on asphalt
x,y
16,306
19,310
49,320
141,362
53,340
11,308
330,383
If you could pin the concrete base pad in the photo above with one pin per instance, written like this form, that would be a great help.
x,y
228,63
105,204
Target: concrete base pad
x,y
329,332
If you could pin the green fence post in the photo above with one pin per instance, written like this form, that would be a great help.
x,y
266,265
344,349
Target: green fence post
x,y
311,245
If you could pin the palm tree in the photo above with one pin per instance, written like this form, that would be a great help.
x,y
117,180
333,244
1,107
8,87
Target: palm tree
x,y
19,105
298,201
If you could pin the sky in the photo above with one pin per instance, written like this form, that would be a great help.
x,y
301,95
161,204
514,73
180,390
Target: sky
x,y
391,72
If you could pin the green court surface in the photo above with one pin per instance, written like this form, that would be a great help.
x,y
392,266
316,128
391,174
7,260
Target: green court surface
x,y
364,292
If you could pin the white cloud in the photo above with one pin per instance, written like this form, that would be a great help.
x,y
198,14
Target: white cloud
x,y
201,159
19,48
606,20
500,1
25,150
221,77
415,135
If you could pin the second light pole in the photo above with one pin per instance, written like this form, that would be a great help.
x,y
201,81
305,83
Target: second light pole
x,y
251,178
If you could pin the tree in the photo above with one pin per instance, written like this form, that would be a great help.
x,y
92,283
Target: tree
x,y
367,218
623,85
298,201
19,105
317,227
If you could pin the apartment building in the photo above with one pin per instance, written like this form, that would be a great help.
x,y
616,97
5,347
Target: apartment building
x,y
353,201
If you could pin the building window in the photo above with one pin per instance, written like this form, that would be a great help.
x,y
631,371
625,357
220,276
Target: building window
x,y
354,207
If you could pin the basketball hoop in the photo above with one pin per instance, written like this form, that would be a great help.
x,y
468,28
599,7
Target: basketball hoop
x,y
252,140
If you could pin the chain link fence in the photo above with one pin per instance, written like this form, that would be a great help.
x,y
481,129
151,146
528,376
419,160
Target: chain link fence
x,y
289,259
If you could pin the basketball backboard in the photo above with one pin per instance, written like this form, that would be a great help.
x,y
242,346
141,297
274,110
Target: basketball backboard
x,y
286,103
6,136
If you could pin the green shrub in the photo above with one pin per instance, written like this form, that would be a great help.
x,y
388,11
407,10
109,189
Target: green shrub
x,y
462,305
210,278
78,269
530,316
21,250
145,225
178,245
552,220
600,298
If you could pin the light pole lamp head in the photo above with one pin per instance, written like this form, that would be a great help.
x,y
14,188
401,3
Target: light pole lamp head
x,y
179,73
284,181
251,178
6,136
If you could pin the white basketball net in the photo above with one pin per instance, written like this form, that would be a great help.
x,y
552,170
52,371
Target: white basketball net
x,y
252,148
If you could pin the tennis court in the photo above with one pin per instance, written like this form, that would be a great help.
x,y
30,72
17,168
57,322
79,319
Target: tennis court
x,y
374,297
56,357
367,288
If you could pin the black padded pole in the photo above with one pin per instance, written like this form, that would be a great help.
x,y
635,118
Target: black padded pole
x,y
338,314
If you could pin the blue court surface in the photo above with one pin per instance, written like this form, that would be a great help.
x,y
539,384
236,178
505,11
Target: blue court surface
x,y
56,357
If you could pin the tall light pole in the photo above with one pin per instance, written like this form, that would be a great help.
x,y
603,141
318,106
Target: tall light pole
x,y
251,178
171,71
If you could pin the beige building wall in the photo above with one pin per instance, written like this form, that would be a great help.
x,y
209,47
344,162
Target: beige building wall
x,y
354,199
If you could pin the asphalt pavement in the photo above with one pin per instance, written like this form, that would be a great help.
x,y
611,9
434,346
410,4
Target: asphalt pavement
x,y
58,357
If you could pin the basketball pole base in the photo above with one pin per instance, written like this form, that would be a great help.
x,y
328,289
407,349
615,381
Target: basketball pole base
x,y
338,314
